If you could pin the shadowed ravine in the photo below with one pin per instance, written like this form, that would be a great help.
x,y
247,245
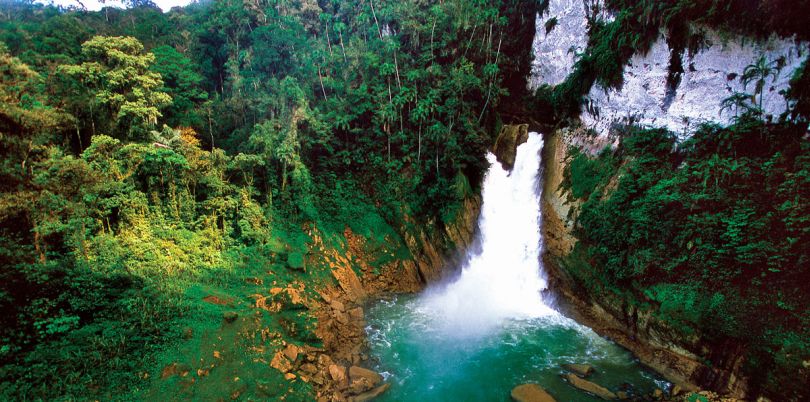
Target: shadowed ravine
x,y
491,329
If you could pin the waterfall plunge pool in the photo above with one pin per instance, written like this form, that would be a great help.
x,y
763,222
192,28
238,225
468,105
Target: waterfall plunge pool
x,y
423,362
476,338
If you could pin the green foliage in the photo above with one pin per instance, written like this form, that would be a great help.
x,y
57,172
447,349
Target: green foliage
x,y
585,173
117,81
147,156
711,232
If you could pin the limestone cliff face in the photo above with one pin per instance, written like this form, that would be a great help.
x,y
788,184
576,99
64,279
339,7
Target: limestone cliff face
x,y
709,76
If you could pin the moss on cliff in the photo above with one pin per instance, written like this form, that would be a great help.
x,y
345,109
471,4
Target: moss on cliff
x,y
711,235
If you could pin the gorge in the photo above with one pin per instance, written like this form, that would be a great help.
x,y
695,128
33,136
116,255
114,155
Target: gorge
x,y
349,200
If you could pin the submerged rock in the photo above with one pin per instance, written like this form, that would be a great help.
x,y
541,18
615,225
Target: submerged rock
x,y
583,370
367,396
590,387
531,393
362,380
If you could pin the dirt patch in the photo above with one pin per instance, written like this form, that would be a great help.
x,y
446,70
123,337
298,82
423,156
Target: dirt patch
x,y
219,301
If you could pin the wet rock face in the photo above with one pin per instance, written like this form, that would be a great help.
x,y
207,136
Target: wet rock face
x,y
510,137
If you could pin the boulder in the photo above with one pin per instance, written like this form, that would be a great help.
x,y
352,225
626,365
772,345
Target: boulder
x,y
281,363
292,351
309,368
338,373
583,370
590,387
230,316
505,148
531,393
362,380
367,396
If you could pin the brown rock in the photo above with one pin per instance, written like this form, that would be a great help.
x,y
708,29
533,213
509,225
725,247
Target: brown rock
x,y
583,370
309,368
281,363
338,306
356,314
291,351
338,373
531,393
356,372
367,396
509,138
658,394
348,281
590,387
290,376
362,380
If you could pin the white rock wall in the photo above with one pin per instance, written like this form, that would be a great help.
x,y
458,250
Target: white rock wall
x,y
709,77
552,59
643,99
554,52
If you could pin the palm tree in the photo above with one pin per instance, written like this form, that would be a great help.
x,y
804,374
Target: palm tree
x,y
738,101
759,73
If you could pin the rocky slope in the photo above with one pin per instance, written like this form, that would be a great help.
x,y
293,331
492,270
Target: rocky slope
x,y
340,311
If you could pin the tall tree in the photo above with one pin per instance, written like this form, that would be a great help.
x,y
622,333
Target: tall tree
x,y
123,92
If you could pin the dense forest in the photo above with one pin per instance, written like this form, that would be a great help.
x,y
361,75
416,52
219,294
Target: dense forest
x,y
148,159
144,153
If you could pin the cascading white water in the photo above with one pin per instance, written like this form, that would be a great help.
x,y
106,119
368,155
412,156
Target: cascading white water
x,y
505,280
489,330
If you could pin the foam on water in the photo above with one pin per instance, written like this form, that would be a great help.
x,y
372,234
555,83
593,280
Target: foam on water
x,y
476,338
505,280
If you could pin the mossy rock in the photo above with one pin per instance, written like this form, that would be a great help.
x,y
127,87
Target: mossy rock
x,y
295,261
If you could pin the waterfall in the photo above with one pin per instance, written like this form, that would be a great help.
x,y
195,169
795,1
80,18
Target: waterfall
x,y
504,279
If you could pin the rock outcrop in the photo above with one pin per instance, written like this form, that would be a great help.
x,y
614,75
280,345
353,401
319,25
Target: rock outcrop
x,y
510,137
590,387
651,340
531,393
338,372
583,370
710,74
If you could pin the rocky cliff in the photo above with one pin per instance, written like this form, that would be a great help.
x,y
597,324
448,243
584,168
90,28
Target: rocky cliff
x,y
705,76
711,73
433,251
